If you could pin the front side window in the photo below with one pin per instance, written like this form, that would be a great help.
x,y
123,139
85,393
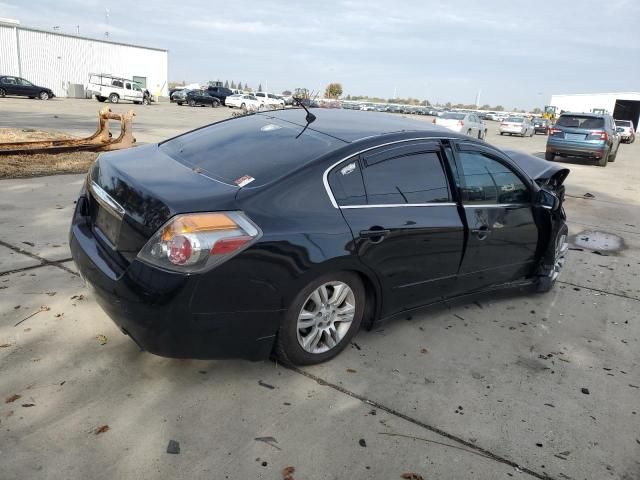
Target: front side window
x,y
24,82
487,181
410,179
128,86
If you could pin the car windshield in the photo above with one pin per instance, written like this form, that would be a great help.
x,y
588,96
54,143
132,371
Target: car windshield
x,y
580,121
453,116
515,120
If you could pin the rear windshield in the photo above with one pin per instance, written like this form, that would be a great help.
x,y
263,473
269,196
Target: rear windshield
x,y
453,116
515,119
579,121
623,123
256,146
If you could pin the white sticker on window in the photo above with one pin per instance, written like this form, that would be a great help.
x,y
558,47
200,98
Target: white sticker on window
x,y
348,169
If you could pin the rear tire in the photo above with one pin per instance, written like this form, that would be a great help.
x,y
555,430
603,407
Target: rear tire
x,y
2,93
549,157
192,103
288,347
101,99
215,104
612,157
114,98
602,161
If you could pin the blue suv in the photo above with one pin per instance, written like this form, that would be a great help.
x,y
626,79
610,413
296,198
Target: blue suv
x,y
588,135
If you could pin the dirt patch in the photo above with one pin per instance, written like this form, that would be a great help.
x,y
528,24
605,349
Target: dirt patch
x,y
41,164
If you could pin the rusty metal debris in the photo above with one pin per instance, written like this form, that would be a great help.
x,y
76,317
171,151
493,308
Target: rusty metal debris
x,y
100,141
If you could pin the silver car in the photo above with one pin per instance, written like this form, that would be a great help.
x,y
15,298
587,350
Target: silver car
x,y
467,123
517,126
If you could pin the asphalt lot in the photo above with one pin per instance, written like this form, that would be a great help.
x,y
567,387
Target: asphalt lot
x,y
496,394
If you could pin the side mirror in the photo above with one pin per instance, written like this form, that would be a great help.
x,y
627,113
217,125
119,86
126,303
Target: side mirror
x,y
548,200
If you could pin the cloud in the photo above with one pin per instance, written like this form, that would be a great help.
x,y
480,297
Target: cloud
x,y
256,27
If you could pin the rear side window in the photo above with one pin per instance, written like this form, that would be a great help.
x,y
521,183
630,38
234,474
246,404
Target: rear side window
x,y
579,121
416,178
347,185
487,181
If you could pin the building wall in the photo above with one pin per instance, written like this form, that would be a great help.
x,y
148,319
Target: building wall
x,y
54,60
586,102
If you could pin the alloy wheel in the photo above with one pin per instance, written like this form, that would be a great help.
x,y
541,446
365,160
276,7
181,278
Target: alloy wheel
x,y
560,254
326,317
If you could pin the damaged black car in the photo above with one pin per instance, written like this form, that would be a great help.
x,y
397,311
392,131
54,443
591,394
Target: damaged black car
x,y
284,233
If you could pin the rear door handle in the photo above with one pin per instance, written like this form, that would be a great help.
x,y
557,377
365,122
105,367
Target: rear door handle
x,y
375,235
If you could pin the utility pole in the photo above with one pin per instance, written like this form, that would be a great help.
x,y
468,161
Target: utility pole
x,y
106,17
478,98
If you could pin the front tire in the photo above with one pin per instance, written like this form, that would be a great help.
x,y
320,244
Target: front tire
x,y
321,320
43,96
548,280
215,104
192,103
145,101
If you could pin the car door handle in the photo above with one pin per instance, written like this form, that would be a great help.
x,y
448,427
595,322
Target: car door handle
x,y
375,235
482,232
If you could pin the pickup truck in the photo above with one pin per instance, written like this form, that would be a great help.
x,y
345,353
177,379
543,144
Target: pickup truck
x,y
116,89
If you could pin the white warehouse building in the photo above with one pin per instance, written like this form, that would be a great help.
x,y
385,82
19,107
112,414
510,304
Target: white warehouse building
x,y
623,105
63,62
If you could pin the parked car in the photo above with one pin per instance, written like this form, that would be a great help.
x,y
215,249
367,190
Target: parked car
x,y
196,98
517,126
626,131
584,135
245,102
289,239
541,125
269,100
20,87
115,89
461,122
180,96
221,93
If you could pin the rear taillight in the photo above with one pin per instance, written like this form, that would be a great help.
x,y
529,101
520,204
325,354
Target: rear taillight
x,y
460,123
198,242
600,135
553,131
433,121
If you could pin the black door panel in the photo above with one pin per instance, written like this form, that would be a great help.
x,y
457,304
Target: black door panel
x,y
415,251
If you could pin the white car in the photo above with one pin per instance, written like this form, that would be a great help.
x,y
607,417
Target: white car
x,y
463,122
269,100
626,131
103,87
243,101
517,126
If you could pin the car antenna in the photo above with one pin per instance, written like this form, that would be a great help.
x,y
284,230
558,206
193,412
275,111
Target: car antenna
x,y
310,118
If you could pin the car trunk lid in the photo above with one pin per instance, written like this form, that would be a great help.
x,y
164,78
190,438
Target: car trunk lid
x,y
133,192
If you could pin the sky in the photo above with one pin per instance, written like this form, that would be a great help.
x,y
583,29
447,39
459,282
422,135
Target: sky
x,y
515,53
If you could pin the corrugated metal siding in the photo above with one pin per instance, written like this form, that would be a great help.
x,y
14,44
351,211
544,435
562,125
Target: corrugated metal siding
x,y
587,102
55,61
8,51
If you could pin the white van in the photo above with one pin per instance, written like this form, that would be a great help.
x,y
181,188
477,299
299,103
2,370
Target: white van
x,y
104,86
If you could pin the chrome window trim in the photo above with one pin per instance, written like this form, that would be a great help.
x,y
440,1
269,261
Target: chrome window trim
x,y
497,205
106,201
325,175
394,205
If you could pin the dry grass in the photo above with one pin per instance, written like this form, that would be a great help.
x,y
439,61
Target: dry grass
x,y
40,164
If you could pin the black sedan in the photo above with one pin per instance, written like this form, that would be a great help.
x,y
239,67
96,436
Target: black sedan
x,y
268,234
195,98
23,88
541,125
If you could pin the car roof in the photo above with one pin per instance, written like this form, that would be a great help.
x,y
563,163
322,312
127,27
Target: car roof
x,y
354,125
585,114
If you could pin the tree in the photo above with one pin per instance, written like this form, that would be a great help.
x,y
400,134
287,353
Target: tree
x,y
246,87
286,93
233,84
259,87
239,86
537,111
447,105
333,90
498,108
226,84
486,106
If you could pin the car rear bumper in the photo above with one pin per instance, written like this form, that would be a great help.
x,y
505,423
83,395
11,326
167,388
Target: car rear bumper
x,y
165,313
576,149
518,131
